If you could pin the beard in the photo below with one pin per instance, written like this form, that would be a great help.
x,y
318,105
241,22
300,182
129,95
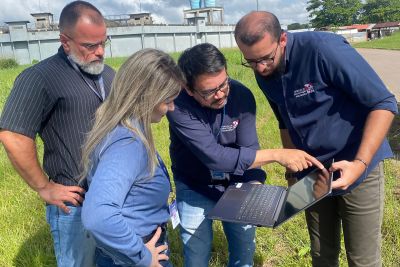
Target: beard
x,y
215,104
94,67
278,71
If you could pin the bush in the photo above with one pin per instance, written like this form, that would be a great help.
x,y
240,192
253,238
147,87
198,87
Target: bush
x,y
35,61
8,63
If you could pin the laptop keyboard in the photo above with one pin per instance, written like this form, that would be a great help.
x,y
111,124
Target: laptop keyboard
x,y
260,204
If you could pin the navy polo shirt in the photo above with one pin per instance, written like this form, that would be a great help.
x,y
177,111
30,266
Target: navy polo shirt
x,y
204,139
324,96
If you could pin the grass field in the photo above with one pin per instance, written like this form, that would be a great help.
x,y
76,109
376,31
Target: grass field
x,y
25,239
391,42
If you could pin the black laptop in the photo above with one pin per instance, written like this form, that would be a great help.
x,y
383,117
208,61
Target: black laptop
x,y
270,206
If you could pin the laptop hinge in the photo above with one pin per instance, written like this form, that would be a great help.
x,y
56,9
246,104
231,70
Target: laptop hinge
x,y
278,210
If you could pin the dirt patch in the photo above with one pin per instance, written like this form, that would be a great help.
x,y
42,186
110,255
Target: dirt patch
x,y
396,192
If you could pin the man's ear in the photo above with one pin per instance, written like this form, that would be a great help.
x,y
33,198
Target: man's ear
x,y
64,43
283,39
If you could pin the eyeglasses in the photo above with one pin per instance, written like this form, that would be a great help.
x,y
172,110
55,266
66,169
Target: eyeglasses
x,y
92,46
265,60
209,93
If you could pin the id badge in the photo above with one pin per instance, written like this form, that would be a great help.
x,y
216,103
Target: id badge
x,y
219,176
173,212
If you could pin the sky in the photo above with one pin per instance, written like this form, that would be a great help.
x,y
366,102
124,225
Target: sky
x,y
162,11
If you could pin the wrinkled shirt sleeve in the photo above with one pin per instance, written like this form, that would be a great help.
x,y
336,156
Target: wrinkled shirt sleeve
x,y
347,70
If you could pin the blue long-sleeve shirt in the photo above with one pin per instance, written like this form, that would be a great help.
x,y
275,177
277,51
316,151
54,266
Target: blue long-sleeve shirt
x,y
204,139
123,204
325,95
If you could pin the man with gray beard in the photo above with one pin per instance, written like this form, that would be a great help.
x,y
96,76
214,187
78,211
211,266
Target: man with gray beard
x,y
56,99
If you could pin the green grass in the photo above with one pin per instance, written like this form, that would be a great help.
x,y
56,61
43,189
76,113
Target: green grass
x,y
25,238
8,63
391,42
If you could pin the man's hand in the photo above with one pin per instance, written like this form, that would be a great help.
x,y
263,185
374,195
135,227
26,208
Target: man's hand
x,y
376,126
349,173
295,160
156,252
22,153
57,194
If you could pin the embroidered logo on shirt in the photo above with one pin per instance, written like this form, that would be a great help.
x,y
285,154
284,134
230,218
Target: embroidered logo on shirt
x,y
230,127
306,90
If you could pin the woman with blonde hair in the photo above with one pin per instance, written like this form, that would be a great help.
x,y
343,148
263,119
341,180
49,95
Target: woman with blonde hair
x,y
125,207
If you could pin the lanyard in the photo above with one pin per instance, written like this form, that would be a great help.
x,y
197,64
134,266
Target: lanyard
x,y
164,168
102,94
222,121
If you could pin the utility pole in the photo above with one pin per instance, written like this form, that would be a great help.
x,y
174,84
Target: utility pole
x,y
257,5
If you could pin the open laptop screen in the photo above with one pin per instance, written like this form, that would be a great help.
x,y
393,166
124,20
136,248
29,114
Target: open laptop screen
x,y
311,188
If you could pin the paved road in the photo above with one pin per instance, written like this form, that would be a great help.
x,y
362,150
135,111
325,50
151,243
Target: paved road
x,y
387,64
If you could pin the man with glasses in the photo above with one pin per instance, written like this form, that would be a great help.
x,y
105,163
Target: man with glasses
x,y
214,144
57,99
330,103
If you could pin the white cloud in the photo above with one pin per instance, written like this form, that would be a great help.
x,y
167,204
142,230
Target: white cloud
x,y
163,11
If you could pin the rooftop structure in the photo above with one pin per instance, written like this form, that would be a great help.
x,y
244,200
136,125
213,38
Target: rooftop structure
x,y
129,19
388,25
213,15
43,20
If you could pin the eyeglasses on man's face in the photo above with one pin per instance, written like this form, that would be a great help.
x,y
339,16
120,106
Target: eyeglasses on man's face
x,y
207,94
92,46
267,60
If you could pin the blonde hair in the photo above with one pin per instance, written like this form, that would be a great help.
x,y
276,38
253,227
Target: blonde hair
x,y
146,79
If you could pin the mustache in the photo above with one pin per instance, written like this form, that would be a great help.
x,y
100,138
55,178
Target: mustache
x,y
98,60
216,101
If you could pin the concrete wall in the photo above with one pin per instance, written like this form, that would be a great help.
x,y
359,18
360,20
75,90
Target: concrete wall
x,y
27,46
354,37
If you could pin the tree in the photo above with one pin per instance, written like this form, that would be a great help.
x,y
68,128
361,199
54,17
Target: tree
x,y
334,12
375,11
296,26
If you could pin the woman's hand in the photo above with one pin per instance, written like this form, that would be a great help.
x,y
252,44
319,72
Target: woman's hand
x,y
156,252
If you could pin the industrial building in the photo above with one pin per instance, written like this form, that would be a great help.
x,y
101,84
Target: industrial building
x,y
128,33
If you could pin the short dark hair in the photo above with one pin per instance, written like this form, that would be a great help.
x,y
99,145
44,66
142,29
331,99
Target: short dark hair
x,y
76,9
200,59
250,29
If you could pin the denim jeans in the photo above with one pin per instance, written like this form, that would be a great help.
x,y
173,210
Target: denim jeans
x,y
73,246
197,235
105,260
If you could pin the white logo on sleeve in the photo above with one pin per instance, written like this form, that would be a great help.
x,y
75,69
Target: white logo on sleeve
x,y
230,127
306,90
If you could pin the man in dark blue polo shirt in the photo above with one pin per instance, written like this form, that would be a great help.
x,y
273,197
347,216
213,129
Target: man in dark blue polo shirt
x,y
56,99
213,144
330,103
